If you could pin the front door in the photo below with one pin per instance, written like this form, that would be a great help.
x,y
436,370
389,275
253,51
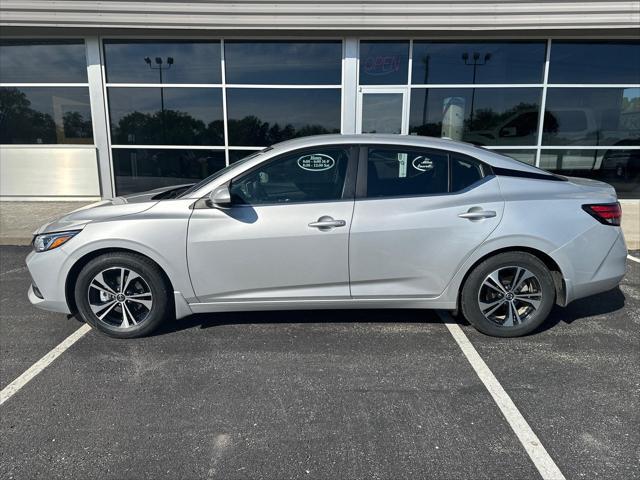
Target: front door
x,y
286,235
382,110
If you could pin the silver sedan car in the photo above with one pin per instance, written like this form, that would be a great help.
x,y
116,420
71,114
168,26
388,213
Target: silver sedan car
x,y
338,221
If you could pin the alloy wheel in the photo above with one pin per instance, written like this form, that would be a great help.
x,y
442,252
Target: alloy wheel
x,y
120,297
510,296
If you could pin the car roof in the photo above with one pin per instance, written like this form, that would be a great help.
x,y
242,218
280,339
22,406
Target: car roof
x,y
490,157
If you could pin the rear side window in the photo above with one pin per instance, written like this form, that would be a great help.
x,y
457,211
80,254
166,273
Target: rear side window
x,y
399,172
465,171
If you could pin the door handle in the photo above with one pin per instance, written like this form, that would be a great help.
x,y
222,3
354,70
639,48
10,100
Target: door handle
x,y
326,223
474,214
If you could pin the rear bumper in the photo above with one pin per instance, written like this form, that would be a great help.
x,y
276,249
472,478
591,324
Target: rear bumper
x,y
607,275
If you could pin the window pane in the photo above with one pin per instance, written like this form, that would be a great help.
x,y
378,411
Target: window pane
x,y
236,155
592,116
166,116
382,112
620,168
153,61
524,156
42,61
309,176
478,62
465,171
490,116
384,63
138,170
595,62
284,63
262,117
394,173
45,115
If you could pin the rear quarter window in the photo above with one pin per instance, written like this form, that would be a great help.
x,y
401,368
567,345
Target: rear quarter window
x,y
465,171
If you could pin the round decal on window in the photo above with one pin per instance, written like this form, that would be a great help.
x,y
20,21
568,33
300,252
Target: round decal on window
x,y
316,162
422,163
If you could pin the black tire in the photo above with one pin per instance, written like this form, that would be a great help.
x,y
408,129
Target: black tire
x,y
469,298
153,278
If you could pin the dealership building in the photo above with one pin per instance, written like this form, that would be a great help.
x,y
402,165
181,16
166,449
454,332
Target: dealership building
x,y
104,98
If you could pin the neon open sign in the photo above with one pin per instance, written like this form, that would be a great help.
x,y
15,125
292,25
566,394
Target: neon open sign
x,y
382,64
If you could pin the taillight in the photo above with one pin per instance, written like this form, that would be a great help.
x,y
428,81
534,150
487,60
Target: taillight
x,y
607,213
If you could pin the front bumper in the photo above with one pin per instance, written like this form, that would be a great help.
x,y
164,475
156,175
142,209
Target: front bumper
x,y
48,271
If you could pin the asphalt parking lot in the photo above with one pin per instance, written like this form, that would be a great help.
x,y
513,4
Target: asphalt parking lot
x,y
337,394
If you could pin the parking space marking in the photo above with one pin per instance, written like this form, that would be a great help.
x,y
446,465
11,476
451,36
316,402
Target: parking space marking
x,y
538,454
631,257
11,389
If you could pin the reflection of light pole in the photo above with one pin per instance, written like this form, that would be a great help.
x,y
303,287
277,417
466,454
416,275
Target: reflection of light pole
x,y
160,67
475,63
426,93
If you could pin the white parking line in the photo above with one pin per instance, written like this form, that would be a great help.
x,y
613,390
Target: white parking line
x,y
538,454
8,391
631,257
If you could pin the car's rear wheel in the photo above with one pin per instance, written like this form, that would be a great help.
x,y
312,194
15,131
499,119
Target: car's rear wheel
x,y
508,295
122,294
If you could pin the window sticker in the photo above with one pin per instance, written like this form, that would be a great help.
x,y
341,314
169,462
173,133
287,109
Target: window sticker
x,y
316,162
422,163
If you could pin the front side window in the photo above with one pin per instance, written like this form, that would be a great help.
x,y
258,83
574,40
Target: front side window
x,y
400,172
305,176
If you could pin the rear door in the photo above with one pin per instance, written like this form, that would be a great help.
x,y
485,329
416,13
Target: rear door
x,y
419,213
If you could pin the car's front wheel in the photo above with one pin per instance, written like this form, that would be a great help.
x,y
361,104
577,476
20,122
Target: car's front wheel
x,y
508,295
122,294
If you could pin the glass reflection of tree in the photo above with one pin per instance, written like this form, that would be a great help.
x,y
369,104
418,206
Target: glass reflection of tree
x,y
184,129
250,130
475,62
20,123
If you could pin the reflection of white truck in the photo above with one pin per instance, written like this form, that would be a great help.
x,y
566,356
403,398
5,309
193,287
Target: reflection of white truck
x,y
575,125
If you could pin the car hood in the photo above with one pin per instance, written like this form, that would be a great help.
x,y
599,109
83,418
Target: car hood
x,y
108,209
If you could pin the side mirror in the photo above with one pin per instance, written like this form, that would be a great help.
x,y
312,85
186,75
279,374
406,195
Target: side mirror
x,y
220,197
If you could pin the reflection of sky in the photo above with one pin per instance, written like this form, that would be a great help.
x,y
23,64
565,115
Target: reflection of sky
x,y
203,104
283,62
194,62
297,107
510,62
43,63
631,93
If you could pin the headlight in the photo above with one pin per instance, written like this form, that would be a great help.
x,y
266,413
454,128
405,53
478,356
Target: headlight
x,y
49,241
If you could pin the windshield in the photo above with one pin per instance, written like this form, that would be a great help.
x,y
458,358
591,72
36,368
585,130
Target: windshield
x,y
219,173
